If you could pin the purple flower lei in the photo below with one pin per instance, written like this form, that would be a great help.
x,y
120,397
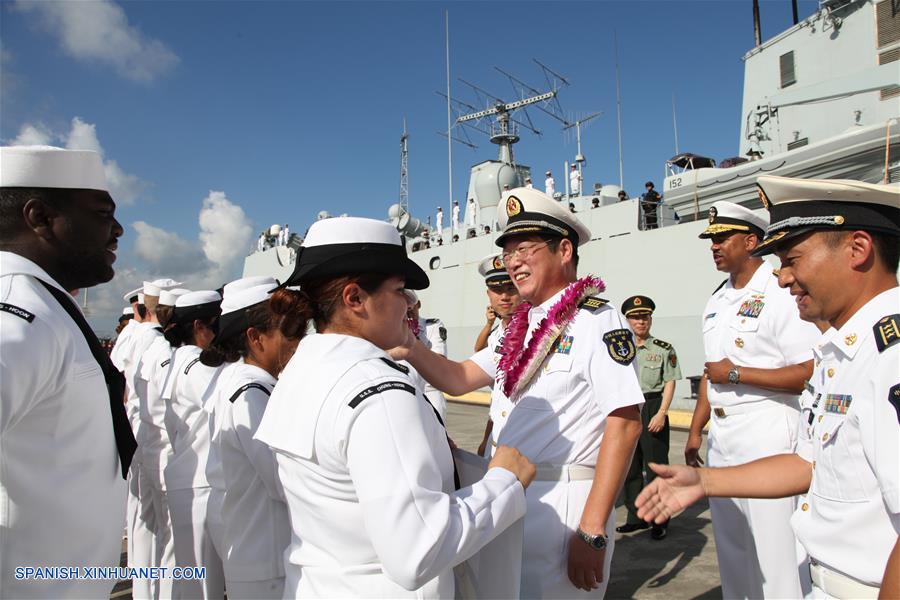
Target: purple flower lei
x,y
518,366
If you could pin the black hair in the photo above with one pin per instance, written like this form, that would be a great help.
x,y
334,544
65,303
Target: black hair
x,y
181,333
12,203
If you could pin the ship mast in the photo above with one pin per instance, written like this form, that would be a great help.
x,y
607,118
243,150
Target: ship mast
x,y
404,170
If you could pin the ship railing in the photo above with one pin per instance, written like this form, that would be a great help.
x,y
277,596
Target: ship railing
x,y
654,215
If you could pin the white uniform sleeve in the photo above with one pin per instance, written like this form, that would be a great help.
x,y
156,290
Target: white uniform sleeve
x,y
614,383
120,352
795,336
438,343
484,358
881,434
23,347
246,413
418,530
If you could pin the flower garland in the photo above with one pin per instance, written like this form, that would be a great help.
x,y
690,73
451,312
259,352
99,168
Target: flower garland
x,y
519,366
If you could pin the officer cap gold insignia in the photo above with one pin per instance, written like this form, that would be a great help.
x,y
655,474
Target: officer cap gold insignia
x,y
798,206
494,271
532,212
728,216
638,305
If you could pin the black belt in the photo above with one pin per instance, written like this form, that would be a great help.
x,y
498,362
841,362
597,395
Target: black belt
x,y
653,396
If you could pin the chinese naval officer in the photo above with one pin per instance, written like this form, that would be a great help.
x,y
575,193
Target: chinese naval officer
x,y
65,441
566,394
838,245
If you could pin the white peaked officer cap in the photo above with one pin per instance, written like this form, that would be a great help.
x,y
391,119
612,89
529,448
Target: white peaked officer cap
x,y
196,305
237,299
153,288
494,271
728,216
50,167
412,296
168,297
798,206
335,247
527,211
132,296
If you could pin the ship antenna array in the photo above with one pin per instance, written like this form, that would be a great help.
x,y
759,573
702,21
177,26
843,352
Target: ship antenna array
x,y
503,131
404,170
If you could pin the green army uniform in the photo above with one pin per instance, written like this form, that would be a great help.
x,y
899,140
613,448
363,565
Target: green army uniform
x,y
657,364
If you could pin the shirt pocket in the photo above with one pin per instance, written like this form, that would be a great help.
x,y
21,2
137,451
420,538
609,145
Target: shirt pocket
x,y
550,385
835,475
743,332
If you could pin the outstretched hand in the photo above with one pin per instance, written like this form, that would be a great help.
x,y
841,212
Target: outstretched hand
x,y
675,488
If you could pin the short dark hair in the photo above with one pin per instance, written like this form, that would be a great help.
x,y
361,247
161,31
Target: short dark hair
x,y
12,202
553,244
887,246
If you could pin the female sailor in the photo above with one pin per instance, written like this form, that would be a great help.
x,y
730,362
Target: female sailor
x,y
364,460
258,332
185,391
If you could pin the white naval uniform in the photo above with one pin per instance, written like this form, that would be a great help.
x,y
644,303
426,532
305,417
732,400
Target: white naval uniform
x,y
850,432
454,220
439,224
434,332
756,548
559,421
472,215
187,487
368,477
254,513
62,496
550,186
575,183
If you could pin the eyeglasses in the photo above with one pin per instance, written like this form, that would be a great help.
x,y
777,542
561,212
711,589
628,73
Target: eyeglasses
x,y
522,252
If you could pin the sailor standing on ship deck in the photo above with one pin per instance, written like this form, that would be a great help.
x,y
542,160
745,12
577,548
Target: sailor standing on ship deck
x,y
566,393
837,242
65,441
759,354
454,219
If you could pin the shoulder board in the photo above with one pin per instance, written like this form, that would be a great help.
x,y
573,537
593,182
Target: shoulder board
x,y
15,310
887,332
191,364
250,386
394,365
159,329
431,321
593,303
662,344
381,387
165,362
721,285
894,399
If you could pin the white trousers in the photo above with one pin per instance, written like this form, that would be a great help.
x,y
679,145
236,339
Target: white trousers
x,y
255,590
552,516
194,545
141,533
755,543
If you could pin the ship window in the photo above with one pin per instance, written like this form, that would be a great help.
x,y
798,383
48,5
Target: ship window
x,y
887,14
788,77
798,143
434,263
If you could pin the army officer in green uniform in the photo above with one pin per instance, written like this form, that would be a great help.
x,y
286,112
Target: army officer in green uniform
x,y
658,367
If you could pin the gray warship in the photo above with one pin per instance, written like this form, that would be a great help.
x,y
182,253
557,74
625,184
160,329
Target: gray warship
x,y
821,100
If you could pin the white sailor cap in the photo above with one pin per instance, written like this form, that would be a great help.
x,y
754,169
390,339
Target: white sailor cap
x,y
153,288
168,297
525,211
50,167
728,216
128,311
494,271
132,296
335,247
196,305
797,206
237,299
547,173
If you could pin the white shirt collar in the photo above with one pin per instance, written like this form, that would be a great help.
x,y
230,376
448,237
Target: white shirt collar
x,y
758,282
857,330
16,264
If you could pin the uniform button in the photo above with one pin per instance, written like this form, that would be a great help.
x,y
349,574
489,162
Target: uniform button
x,y
503,414
805,507
825,437
821,417
739,343
830,372
493,443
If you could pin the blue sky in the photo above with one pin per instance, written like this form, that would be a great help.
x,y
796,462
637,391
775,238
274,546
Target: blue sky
x,y
288,108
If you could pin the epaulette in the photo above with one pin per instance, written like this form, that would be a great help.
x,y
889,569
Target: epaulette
x,y
381,387
432,321
887,332
662,344
394,365
250,386
721,285
593,303
15,310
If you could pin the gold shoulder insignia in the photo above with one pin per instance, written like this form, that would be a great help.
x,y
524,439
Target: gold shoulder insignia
x,y
887,332
593,303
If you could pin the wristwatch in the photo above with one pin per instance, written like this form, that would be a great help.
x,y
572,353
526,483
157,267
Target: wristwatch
x,y
597,542
734,376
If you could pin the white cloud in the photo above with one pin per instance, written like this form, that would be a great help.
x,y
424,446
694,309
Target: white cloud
x,y
167,252
225,230
98,31
123,187
33,135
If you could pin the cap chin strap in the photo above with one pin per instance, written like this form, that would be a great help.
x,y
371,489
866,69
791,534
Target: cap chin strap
x,y
795,222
